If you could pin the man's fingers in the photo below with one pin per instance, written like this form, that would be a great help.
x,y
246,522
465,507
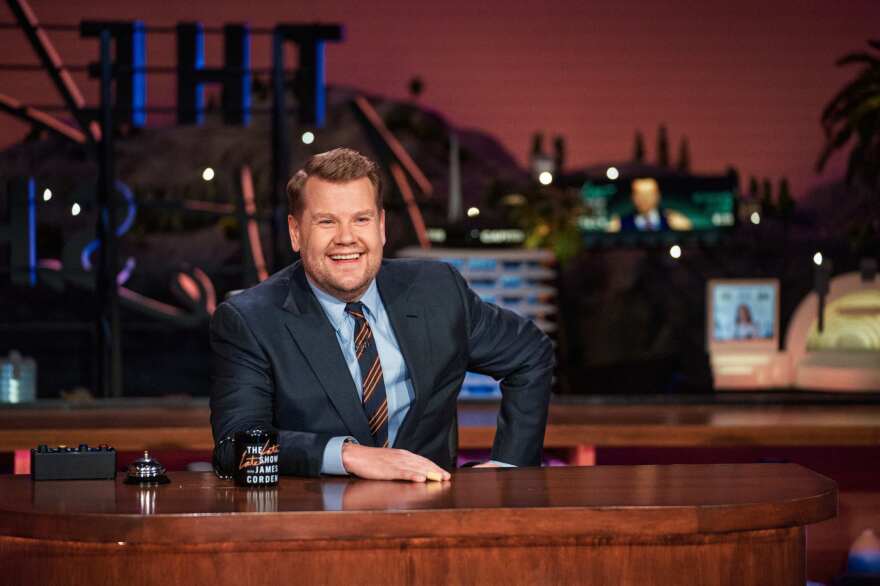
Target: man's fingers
x,y
430,470
409,473
427,476
438,474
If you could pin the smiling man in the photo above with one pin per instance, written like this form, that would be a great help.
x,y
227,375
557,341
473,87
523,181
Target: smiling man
x,y
357,361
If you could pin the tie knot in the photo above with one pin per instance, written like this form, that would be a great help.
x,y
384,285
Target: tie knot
x,y
355,308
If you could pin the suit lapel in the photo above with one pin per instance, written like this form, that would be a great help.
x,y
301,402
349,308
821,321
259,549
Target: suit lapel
x,y
410,328
313,334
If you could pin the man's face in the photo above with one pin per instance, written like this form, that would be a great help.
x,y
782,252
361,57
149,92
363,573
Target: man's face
x,y
340,235
645,195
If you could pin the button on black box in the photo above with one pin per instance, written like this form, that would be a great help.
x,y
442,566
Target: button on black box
x,y
83,463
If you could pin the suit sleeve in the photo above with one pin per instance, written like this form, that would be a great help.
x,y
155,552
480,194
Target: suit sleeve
x,y
511,348
242,398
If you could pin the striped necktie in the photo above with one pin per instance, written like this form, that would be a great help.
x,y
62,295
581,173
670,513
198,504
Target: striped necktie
x,y
374,399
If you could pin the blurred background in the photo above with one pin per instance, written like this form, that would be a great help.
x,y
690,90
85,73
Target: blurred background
x,y
683,195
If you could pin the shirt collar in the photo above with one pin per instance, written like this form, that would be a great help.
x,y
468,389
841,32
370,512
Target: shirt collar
x,y
335,308
648,220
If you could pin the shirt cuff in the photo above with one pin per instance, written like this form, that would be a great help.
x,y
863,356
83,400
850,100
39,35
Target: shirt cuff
x,y
502,464
332,461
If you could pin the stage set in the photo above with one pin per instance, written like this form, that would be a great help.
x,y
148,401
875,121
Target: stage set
x,y
715,406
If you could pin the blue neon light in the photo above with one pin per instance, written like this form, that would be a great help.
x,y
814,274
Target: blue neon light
x,y
125,226
32,231
200,64
139,79
246,78
320,90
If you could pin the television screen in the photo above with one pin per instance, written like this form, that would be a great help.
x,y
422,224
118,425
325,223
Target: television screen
x,y
662,204
743,311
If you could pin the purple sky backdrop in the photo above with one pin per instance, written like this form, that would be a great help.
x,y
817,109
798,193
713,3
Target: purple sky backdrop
x,y
744,81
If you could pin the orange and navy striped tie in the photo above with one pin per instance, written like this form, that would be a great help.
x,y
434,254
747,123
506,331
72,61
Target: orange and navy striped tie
x,y
374,398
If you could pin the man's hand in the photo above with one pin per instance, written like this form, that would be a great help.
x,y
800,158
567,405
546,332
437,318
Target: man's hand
x,y
389,464
489,464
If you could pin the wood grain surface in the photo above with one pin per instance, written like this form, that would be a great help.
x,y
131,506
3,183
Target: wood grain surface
x,y
755,558
694,524
632,501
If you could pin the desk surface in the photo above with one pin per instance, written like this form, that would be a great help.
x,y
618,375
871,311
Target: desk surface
x,y
555,502
184,425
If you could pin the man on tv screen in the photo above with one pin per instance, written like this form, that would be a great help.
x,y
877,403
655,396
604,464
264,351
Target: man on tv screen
x,y
649,215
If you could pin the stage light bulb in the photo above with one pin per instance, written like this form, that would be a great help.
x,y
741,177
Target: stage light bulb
x,y
473,212
675,251
75,209
208,174
308,137
612,173
47,194
756,218
817,259
545,178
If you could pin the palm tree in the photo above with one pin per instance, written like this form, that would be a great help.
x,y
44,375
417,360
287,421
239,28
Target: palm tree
x,y
854,115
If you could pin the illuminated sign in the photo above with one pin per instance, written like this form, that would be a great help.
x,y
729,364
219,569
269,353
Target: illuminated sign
x,y
129,69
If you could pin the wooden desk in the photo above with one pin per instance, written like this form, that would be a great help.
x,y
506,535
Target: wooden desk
x,y
185,426
666,425
707,524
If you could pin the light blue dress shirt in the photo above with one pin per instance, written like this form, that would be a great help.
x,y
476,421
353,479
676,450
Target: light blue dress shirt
x,y
398,383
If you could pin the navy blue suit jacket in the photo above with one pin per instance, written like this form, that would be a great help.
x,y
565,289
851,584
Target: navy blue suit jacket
x,y
278,365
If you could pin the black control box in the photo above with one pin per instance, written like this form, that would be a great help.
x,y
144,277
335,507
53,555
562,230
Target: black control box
x,y
81,463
